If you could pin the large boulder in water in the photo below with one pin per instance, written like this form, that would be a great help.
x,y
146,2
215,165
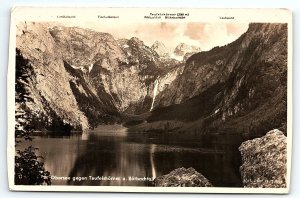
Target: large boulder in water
x,y
182,177
264,161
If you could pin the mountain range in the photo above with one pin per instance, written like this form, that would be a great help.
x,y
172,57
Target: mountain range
x,y
87,78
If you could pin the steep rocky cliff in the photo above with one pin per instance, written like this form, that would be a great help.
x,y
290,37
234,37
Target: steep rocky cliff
x,y
49,86
240,87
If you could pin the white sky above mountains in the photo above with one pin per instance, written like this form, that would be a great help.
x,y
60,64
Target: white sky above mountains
x,y
203,35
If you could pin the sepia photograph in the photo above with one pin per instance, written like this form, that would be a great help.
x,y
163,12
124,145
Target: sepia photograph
x,y
166,100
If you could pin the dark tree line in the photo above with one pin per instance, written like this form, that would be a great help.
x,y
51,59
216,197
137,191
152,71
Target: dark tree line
x,y
29,169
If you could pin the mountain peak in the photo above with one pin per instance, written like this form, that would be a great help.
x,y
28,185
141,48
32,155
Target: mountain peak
x,y
184,48
183,51
160,49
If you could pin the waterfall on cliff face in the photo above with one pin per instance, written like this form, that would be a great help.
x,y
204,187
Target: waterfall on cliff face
x,y
156,82
91,67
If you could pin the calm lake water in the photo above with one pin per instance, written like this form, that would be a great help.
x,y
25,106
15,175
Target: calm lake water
x,y
109,155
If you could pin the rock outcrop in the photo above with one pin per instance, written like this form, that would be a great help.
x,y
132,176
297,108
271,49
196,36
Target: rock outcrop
x,y
182,177
264,161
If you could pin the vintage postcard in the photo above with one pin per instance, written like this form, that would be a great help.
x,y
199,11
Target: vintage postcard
x,y
150,100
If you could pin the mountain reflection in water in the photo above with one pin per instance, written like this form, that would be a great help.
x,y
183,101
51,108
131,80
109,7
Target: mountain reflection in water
x,y
110,151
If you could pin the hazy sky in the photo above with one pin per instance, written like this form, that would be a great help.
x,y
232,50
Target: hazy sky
x,y
203,35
